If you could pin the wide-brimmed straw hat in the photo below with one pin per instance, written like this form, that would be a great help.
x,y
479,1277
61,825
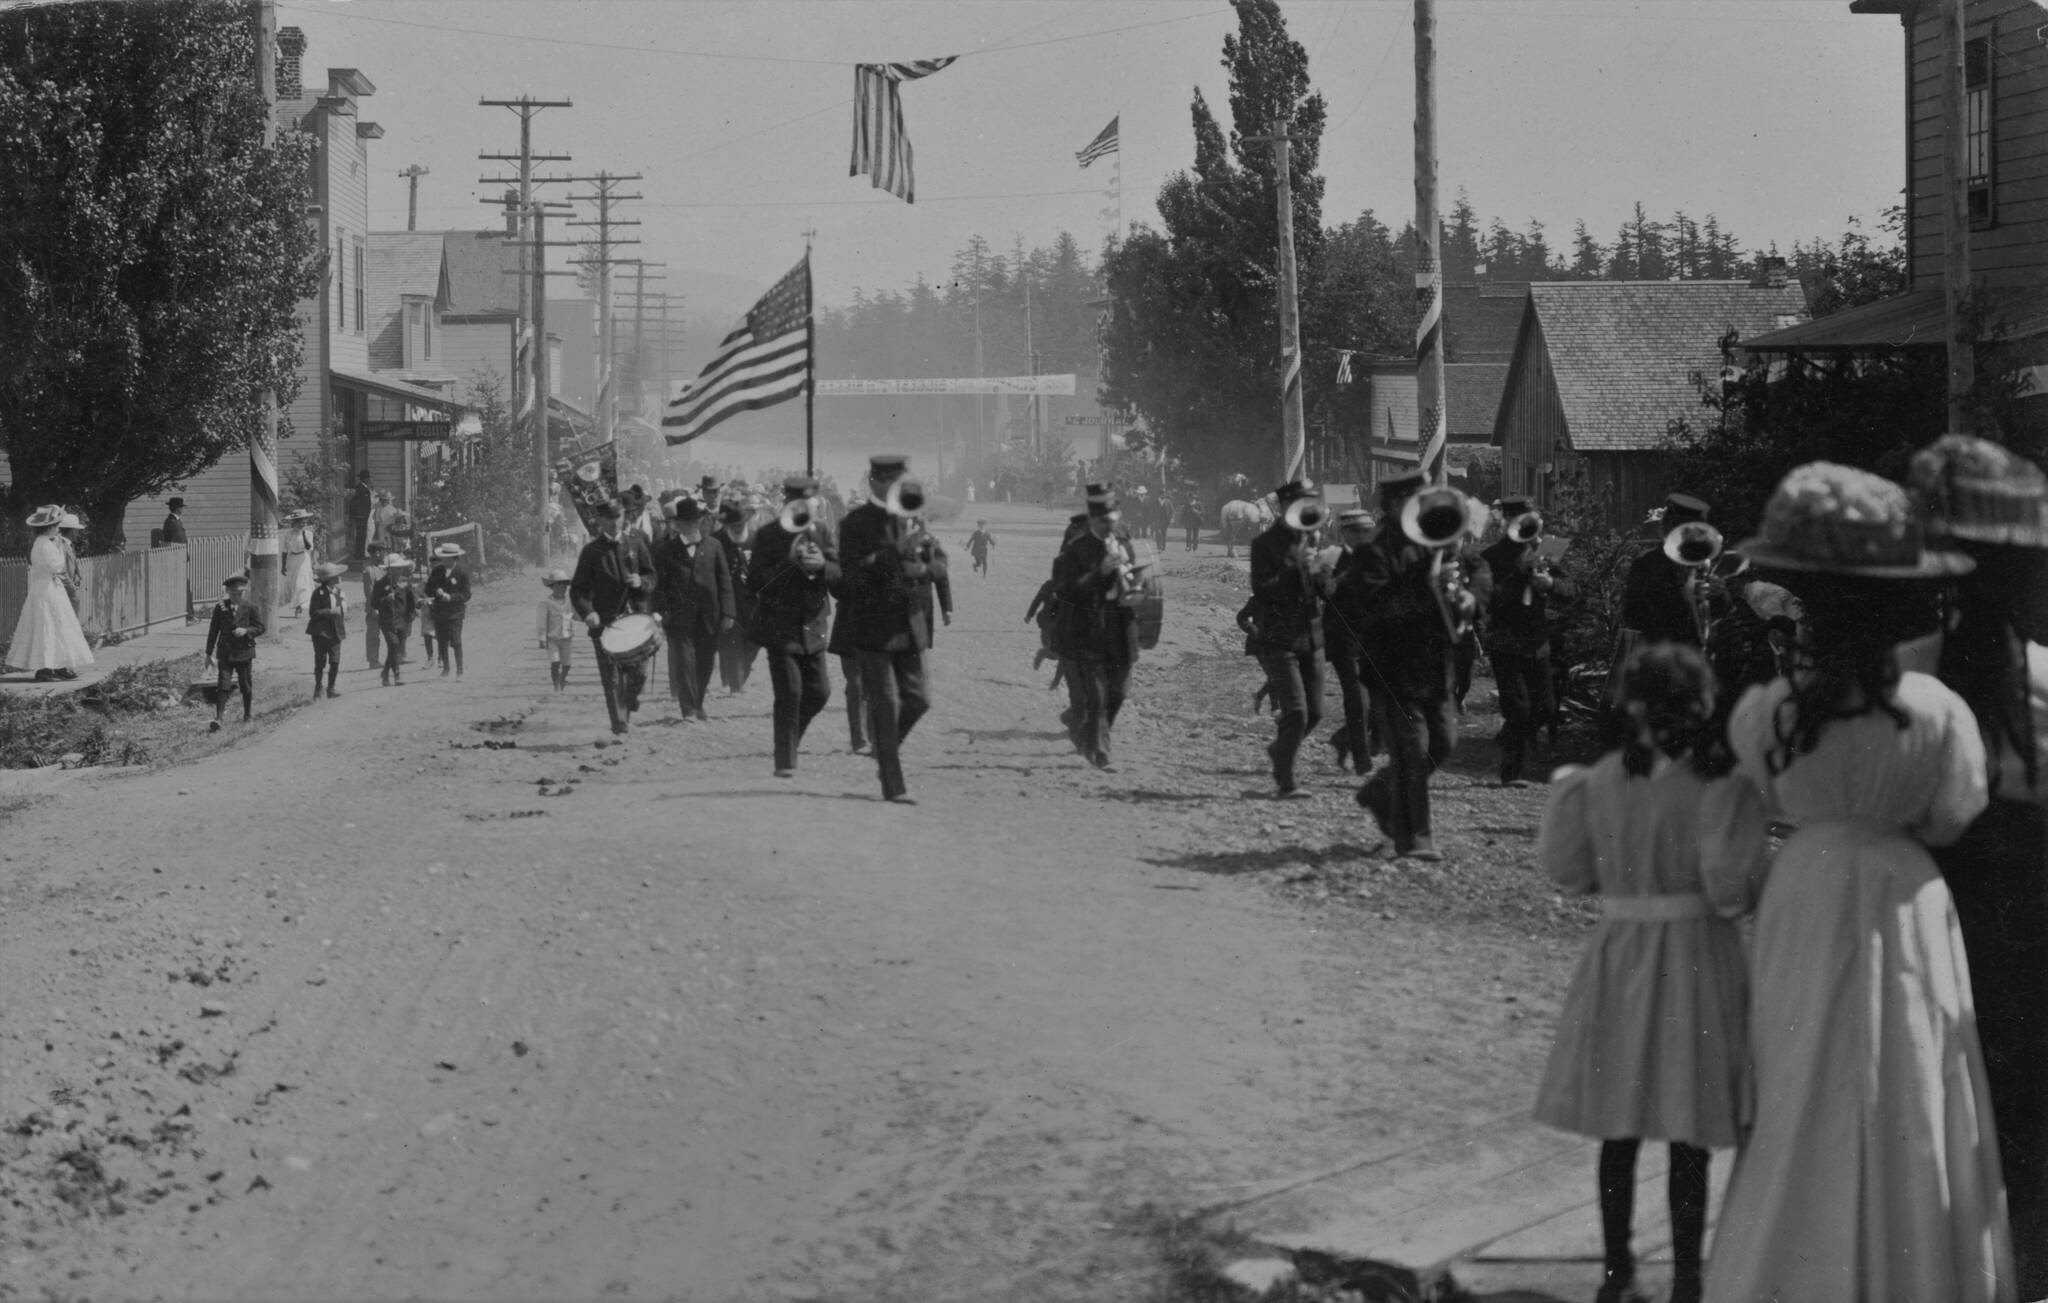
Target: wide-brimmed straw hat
x,y
1825,518
553,577
45,517
398,561
329,570
70,521
1976,491
300,514
448,550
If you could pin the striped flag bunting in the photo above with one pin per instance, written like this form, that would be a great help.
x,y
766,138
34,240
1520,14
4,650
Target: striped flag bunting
x,y
1344,356
766,359
880,148
1104,143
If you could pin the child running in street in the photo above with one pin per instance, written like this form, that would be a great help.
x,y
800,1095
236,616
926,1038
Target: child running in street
x,y
1652,1036
978,544
557,626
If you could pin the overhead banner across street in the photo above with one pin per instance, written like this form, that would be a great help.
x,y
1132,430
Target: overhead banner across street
x,y
1041,385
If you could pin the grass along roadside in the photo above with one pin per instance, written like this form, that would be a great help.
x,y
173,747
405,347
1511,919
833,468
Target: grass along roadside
x,y
149,714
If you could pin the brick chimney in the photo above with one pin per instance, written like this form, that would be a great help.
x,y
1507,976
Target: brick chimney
x,y
511,214
291,48
1772,273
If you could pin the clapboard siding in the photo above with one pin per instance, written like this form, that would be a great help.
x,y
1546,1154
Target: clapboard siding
x,y
216,502
1531,422
348,191
2014,250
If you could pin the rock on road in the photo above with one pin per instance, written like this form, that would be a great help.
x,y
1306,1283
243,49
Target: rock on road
x,y
377,1005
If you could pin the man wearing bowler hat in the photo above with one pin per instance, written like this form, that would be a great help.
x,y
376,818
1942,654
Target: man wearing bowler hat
x,y
790,575
885,563
693,593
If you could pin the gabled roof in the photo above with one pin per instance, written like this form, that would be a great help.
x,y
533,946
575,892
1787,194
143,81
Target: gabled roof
x,y
1471,398
1481,319
1623,353
478,285
402,265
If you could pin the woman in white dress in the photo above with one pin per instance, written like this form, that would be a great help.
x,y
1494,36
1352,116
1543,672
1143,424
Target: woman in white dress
x,y
47,638
1872,1173
297,545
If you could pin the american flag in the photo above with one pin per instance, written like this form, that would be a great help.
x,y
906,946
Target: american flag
x,y
1104,143
880,148
766,359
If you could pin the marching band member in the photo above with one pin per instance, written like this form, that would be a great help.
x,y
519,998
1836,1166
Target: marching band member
x,y
1518,632
795,562
884,563
1389,596
736,651
1340,649
694,594
1097,633
614,575
1655,600
1289,585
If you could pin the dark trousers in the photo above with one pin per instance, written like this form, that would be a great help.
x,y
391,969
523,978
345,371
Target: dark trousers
x,y
692,655
1994,874
857,729
326,662
1464,655
1193,530
373,637
233,673
1419,734
359,532
622,685
801,691
1526,704
1071,716
394,649
981,563
896,701
1352,736
1101,687
1295,680
448,634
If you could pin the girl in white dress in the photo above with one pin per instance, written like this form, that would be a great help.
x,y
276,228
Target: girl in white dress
x,y
297,545
47,637
1872,1172
1651,1040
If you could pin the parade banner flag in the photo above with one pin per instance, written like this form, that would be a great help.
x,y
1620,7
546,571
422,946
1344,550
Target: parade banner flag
x,y
590,477
765,360
880,147
1104,143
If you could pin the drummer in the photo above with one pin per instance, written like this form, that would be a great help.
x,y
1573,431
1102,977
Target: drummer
x,y
614,576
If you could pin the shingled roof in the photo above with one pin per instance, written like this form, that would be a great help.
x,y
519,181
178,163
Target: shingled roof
x,y
1481,319
477,283
1623,353
1472,398
403,264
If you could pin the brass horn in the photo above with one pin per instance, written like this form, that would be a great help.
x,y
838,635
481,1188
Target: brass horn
x,y
1305,515
905,497
796,516
1437,518
1694,543
1526,528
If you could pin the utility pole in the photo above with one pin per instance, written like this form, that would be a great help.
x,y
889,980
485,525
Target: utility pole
x,y
263,447
412,177
1955,217
1429,275
640,279
1033,405
980,400
1293,435
606,196
533,308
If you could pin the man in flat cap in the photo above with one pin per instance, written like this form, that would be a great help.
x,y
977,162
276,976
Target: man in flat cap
x,y
795,562
1518,634
885,564
1288,585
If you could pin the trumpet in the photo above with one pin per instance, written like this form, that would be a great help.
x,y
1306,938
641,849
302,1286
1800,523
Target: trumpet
x,y
1439,519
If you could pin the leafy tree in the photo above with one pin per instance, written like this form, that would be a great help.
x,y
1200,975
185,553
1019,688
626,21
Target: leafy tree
x,y
152,252
490,480
1190,341
1853,269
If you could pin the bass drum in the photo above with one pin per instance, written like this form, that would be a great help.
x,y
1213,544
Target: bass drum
x,y
1145,593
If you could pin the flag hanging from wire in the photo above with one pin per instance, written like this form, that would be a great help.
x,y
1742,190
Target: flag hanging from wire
x,y
1344,356
880,148
764,360
1104,143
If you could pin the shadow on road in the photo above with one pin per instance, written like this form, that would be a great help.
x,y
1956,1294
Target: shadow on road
x,y
1228,863
1143,797
975,737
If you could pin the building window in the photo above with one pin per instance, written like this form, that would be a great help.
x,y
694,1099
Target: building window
x,y
359,287
340,282
1980,162
426,330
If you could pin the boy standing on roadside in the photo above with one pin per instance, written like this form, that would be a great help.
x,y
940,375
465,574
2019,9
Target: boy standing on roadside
x,y
236,626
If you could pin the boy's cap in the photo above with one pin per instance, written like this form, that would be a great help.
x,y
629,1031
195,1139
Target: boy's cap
x,y
235,581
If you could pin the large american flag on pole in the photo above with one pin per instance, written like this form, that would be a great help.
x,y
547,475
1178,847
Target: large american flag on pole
x,y
1104,143
880,148
766,359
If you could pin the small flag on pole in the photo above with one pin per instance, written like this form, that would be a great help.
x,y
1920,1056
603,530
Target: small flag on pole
x,y
1344,356
880,148
766,359
1104,143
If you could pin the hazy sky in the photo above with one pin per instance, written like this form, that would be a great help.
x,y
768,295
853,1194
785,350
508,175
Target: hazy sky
x,y
1782,116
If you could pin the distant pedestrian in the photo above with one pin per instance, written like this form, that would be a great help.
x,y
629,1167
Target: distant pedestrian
x,y
361,503
327,625
47,636
447,602
978,544
231,644
373,639
556,625
295,541
1652,1037
395,603
1191,521
173,531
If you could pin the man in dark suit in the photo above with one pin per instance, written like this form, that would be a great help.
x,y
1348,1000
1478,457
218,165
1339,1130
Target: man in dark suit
x,y
173,531
361,502
1352,739
1288,587
1097,635
1654,601
885,563
614,576
693,594
1518,637
789,578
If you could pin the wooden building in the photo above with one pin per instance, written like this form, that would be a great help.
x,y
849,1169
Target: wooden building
x,y
1480,320
1603,369
2006,175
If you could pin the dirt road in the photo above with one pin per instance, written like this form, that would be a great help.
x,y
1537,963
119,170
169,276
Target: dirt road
x,y
432,992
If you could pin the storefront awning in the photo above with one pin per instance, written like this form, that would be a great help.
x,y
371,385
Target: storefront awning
x,y
1915,319
393,388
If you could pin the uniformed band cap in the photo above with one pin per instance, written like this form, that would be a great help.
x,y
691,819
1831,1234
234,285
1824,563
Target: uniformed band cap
x,y
1407,479
1515,505
1685,505
235,581
799,486
890,463
1295,489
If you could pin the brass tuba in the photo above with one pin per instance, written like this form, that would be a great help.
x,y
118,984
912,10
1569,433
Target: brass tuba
x,y
1696,545
1439,519
1305,515
796,516
1524,530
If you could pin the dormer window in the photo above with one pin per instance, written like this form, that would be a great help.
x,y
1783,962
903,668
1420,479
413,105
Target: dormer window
x,y
1979,159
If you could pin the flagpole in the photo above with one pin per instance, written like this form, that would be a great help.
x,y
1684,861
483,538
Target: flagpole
x,y
810,364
